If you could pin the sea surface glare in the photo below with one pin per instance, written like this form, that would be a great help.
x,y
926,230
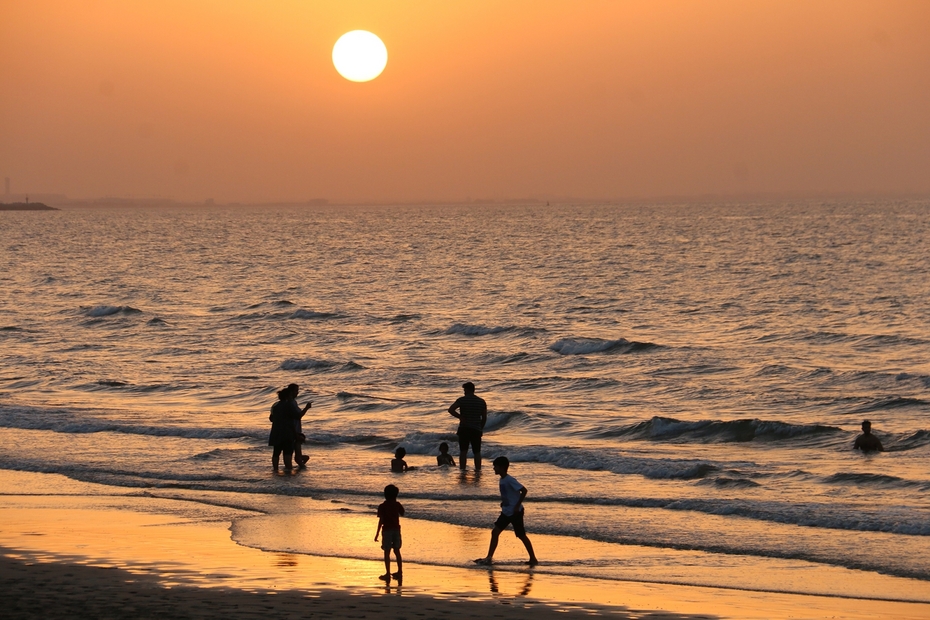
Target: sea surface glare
x,y
678,386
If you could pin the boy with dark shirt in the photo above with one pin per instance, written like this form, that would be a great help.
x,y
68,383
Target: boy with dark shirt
x,y
389,514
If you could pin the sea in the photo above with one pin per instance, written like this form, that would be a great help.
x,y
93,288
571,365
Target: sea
x,y
678,386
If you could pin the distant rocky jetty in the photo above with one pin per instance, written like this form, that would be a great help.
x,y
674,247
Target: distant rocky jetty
x,y
26,206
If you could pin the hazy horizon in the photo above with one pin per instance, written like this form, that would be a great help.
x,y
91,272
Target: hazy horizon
x,y
547,100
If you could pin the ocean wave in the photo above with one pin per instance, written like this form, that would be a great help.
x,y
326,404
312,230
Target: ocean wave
x,y
724,482
334,439
103,384
403,318
918,439
477,330
572,384
839,516
923,379
259,314
499,419
101,311
669,429
351,396
511,358
879,480
87,426
308,364
312,315
888,340
585,346
609,461
892,402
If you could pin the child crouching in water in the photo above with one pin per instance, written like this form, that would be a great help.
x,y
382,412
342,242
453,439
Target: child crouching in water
x,y
444,457
389,514
398,464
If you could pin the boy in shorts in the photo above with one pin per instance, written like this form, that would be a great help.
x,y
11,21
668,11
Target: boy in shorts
x,y
512,495
389,514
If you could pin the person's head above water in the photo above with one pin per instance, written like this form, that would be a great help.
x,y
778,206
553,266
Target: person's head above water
x,y
443,447
866,427
469,387
400,453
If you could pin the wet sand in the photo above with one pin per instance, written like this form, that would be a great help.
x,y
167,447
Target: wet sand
x,y
72,591
127,556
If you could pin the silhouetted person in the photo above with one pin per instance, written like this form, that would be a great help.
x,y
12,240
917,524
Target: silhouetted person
x,y
472,413
297,413
867,442
444,458
512,495
398,464
389,514
282,430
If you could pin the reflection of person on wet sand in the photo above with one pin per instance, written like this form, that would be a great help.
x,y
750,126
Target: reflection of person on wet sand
x,y
495,587
512,495
472,413
867,442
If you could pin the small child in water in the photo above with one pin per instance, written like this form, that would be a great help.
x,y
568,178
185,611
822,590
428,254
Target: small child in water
x,y
389,514
444,457
398,464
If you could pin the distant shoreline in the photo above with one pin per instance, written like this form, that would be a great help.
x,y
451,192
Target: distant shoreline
x,y
26,206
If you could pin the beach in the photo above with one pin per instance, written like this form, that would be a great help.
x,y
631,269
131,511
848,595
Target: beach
x,y
123,556
267,268
686,443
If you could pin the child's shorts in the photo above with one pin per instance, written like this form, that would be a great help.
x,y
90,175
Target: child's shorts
x,y
516,520
390,539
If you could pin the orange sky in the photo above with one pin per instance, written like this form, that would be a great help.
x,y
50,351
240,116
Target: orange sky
x,y
238,100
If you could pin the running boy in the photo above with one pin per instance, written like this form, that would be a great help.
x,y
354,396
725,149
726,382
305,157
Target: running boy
x,y
389,514
512,495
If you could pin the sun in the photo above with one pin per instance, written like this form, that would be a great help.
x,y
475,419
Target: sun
x,y
359,56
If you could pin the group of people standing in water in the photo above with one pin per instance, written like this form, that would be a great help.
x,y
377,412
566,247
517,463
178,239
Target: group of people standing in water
x,y
287,432
286,429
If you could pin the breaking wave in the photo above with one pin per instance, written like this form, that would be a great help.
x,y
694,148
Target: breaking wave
x,y
585,346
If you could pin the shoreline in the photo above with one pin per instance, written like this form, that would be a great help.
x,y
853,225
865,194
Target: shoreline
x,y
87,555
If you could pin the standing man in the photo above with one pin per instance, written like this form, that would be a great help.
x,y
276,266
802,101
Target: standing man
x,y
472,413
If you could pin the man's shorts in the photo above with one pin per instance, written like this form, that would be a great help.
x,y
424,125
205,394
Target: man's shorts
x,y
516,520
390,539
469,436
